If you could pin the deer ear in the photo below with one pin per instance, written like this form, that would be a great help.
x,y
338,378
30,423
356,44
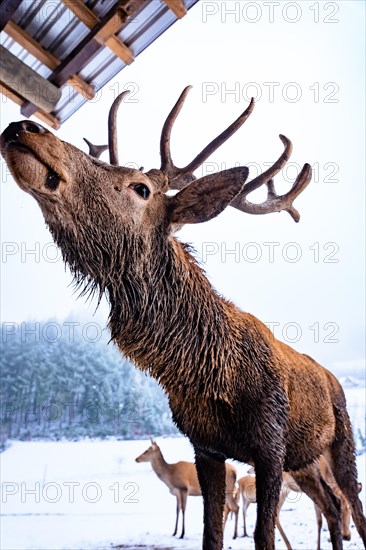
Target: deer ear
x,y
206,197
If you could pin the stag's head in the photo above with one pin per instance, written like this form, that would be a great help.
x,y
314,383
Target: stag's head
x,y
97,212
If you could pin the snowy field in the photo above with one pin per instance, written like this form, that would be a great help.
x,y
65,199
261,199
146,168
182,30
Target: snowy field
x,y
92,494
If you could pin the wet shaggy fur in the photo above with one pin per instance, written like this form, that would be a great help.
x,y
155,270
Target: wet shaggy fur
x,y
233,389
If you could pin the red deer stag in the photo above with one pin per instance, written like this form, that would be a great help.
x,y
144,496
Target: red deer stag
x,y
233,389
182,480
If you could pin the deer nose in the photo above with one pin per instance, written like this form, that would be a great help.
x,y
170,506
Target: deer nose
x,y
11,133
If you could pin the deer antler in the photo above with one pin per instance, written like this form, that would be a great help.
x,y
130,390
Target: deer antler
x,y
180,177
274,202
112,128
95,150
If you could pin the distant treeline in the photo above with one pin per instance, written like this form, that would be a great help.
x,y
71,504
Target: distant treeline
x,y
64,380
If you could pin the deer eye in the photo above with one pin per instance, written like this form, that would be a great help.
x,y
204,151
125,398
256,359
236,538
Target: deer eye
x,y
141,190
52,180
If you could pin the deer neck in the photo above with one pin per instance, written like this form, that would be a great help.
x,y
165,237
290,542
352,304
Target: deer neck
x,y
159,465
164,311
167,311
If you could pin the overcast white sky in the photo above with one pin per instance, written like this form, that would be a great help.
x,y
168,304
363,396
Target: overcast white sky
x,y
304,62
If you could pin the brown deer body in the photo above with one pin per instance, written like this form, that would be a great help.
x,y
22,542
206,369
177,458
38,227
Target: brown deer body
x,y
234,390
182,480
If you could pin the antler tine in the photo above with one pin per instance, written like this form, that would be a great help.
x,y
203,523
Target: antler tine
x,y
95,150
180,177
301,182
269,174
274,202
112,128
167,165
219,140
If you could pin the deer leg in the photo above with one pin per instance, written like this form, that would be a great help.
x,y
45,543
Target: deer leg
x,y
283,496
319,521
311,482
245,508
183,497
226,515
232,507
211,475
268,487
236,514
346,515
177,515
282,532
345,473
228,511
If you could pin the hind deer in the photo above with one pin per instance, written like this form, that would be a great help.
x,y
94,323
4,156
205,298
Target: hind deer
x,y
235,390
182,480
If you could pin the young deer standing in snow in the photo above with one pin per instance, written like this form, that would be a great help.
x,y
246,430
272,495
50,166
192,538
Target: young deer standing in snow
x,y
233,389
182,480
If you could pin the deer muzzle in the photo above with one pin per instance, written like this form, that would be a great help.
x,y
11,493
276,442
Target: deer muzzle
x,y
28,146
11,138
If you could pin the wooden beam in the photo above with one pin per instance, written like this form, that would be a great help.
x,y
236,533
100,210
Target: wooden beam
x,y
72,64
90,20
83,52
47,118
27,83
48,59
82,12
7,10
75,61
113,25
177,7
31,45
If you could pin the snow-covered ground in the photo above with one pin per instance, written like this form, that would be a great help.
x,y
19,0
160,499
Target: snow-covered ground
x,y
92,494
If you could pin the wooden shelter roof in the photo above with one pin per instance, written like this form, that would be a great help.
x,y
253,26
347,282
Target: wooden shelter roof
x,y
57,54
